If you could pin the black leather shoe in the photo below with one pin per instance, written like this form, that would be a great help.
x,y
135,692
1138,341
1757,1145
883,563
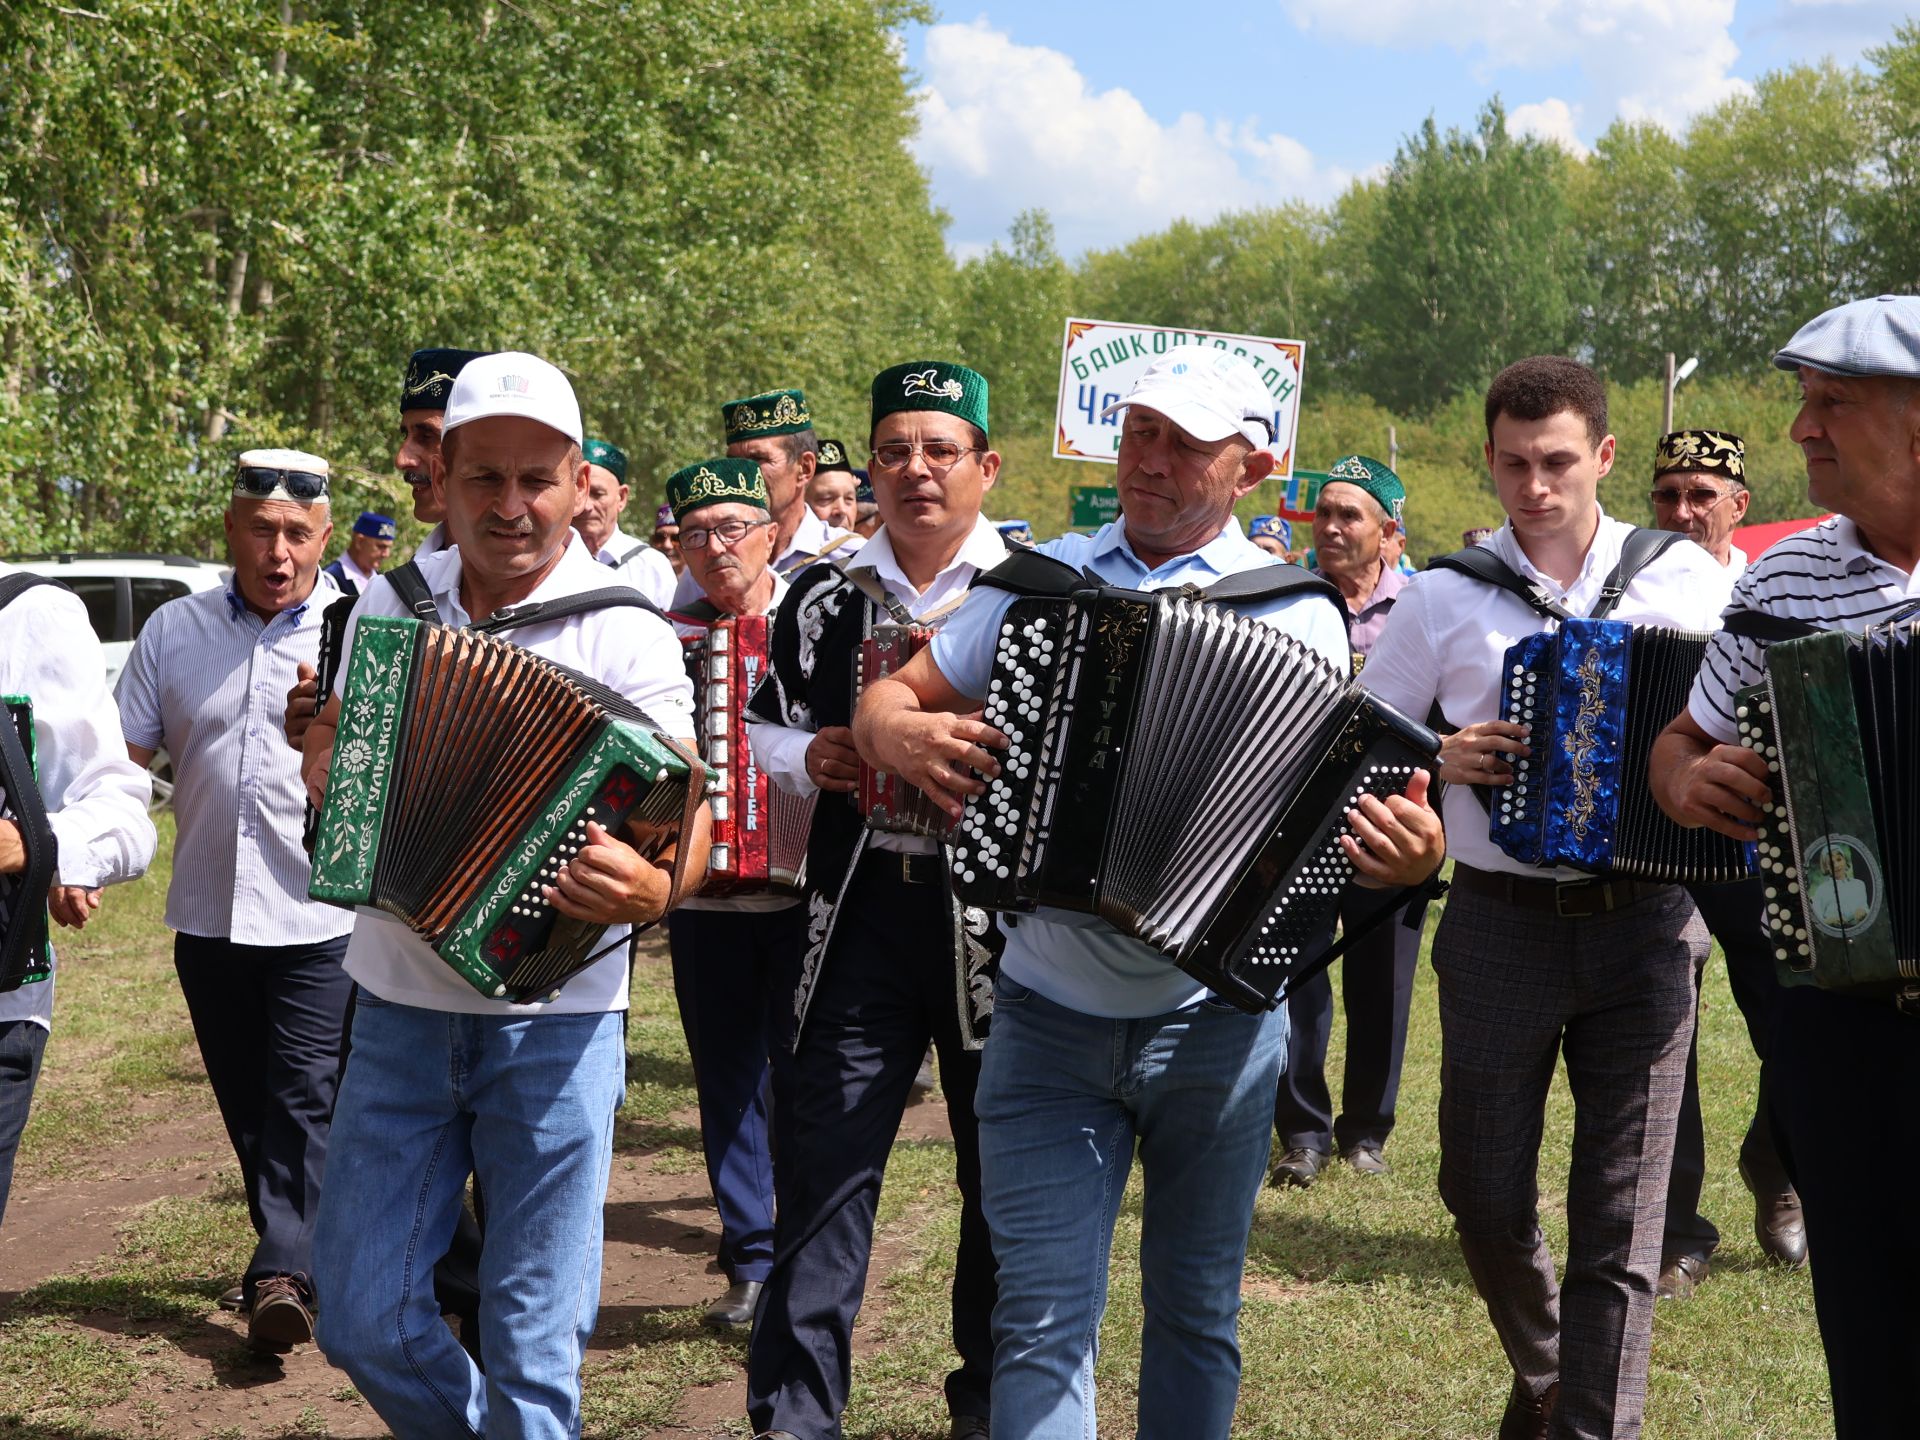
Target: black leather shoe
x,y
1366,1158
1680,1276
1778,1224
1299,1167
1528,1415
735,1307
282,1315
969,1427
234,1299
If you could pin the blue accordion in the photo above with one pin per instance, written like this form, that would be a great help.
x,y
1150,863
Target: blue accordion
x,y
1594,695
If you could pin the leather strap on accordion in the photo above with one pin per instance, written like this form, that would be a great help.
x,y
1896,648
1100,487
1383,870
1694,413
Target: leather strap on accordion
x,y
26,927
1031,575
411,586
1640,550
1774,629
12,587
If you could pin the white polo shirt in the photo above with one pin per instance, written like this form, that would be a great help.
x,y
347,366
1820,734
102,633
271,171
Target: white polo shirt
x,y
629,650
637,563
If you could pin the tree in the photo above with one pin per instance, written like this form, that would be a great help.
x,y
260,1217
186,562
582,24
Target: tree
x,y
1632,212
1011,305
1890,210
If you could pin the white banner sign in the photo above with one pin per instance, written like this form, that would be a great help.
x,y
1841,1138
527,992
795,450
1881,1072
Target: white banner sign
x,y
1100,360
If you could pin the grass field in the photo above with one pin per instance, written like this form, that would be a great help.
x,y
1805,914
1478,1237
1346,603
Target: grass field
x,y
1359,1320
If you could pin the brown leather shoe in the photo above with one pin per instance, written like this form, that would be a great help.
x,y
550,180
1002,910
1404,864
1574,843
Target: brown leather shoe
x,y
234,1300
282,1315
1680,1276
1528,1415
1299,1168
1778,1224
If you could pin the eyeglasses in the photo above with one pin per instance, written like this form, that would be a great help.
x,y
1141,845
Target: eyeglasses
x,y
731,533
940,455
1699,497
261,481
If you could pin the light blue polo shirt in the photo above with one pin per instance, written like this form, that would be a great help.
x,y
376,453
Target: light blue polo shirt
x,y
1076,959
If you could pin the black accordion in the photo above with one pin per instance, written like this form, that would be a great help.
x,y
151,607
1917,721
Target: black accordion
x,y
465,772
1182,772
1594,696
26,952
1839,853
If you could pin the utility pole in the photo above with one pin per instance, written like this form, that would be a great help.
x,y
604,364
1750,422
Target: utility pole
x,y
1666,413
1393,449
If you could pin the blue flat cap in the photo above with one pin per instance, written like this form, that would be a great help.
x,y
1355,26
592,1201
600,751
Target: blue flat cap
x,y
375,526
1865,337
1272,526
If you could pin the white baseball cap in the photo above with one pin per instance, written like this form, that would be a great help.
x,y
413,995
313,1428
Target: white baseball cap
x,y
513,382
282,475
1208,393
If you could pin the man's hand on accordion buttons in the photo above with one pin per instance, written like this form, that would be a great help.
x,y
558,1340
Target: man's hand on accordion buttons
x,y
301,706
1478,754
832,762
1722,789
608,882
943,754
1400,839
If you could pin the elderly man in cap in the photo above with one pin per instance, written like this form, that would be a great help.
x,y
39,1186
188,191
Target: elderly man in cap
x,y
1700,491
443,1080
1100,1045
1272,534
369,545
1356,511
635,562
259,963
831,494
666,538
736,959
1842,1066
893,961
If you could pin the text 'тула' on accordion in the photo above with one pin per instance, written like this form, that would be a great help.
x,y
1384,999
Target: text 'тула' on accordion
x,y
1834,718
886,801
465,771
26,954
1594,696
759,830
1182,772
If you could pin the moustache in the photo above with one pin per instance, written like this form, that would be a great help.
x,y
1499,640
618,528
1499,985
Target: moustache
x,y
416,478
512,529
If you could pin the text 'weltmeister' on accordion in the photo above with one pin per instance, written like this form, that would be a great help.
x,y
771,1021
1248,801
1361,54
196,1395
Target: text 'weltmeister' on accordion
x,y
1834,719
465,772
1594,696
1185,774
26,952
759,830
886,801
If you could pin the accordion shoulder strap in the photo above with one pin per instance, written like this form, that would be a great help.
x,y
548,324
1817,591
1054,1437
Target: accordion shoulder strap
x,y
1272,582
1640,549
1767,629
411,586
539,612
12,587
1483,565
864,579
1032,575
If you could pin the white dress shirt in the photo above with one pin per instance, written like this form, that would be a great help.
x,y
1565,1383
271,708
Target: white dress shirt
x,y
360,578
1448,635
96,798
782,752
437,540
631,651
208,679
638,564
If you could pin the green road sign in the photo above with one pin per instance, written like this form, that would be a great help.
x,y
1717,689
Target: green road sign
x,y
1094,506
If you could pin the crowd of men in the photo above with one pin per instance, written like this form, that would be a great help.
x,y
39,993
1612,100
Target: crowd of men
x,y
425,1166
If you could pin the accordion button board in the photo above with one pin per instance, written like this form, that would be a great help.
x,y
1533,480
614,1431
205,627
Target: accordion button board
x,y
1838,851
1182,772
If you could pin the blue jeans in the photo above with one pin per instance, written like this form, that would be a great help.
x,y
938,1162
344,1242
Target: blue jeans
x,y
22,1043
524,1103
1063,1098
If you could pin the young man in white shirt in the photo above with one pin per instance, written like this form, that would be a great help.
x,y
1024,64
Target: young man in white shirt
x,y
445,1081
1534,963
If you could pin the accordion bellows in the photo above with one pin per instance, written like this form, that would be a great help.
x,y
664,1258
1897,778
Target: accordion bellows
x,y
465,772
1833,719
1594,696
26,953
1182,772
886,802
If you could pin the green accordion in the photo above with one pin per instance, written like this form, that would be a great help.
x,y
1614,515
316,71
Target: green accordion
x,y
465,772
1833,719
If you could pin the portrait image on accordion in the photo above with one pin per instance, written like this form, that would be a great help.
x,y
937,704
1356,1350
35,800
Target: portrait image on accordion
x,y
1185,774
26,953
465,772
1839,852
886,801
759,830
1594,695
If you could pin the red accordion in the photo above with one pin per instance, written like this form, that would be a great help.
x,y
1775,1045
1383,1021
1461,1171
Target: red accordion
x,y
888,802
759,830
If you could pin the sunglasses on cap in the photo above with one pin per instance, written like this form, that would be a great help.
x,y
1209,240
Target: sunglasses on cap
x,y
261,480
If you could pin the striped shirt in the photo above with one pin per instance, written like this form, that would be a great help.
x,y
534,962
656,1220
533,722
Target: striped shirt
x,y
1826,576
208,679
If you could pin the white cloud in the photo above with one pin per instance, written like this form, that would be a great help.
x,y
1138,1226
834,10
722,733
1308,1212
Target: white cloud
x,y
1660,60
1551,119
1006,127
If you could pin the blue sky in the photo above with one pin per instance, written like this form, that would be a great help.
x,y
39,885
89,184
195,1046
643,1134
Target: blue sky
x,y
1118,117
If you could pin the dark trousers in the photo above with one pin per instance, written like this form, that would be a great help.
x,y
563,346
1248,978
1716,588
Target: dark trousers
x,y
1614,994
1846,1072
268,1019
734,973
1732,913
22,1043
1376,991
886,987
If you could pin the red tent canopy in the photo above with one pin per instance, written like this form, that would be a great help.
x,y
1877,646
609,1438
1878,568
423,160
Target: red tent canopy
x,y
1755,538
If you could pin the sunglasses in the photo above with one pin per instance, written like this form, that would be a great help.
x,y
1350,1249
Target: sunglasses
x,y
1698,496
259,480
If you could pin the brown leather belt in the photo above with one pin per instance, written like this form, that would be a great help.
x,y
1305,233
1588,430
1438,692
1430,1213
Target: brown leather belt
x,y
1568,899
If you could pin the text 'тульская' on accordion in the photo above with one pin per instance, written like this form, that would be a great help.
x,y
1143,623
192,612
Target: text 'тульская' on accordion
x,y
1182,772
